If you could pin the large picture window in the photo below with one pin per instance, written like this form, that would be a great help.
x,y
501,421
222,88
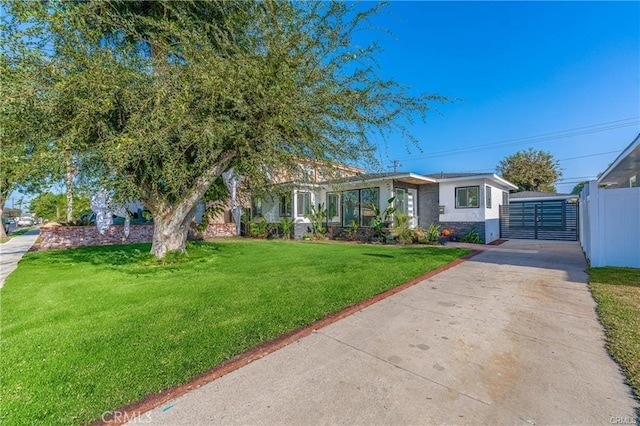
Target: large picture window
x,y
333,208
487,197
285,205
369,201
350,207
467,197
256,206
303,203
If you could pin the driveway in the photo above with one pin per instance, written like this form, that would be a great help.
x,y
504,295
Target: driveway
x,y
508,337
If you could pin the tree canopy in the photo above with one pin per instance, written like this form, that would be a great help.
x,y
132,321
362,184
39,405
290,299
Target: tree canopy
x,y
531,170
158,98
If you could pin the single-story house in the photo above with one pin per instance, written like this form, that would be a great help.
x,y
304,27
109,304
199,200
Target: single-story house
x,y
458,202
610,212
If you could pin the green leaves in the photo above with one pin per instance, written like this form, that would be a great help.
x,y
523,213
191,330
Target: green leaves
x,y
531,170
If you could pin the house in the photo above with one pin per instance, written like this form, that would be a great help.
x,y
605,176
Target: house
x,y
610,212
459,202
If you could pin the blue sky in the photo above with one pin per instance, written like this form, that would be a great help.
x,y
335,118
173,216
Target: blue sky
x,y
521,69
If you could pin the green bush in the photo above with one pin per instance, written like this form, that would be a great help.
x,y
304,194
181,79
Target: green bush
x,y
472,237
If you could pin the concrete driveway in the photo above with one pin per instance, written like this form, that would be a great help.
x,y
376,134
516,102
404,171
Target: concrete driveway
x,y
508,337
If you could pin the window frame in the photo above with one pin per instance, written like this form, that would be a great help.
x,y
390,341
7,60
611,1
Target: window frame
x,y
487,197
286,205
370,218
306,206
466,188
338,215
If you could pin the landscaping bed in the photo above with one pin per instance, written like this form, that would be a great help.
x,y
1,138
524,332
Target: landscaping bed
x,y
85,331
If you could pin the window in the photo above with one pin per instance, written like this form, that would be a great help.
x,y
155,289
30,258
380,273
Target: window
x,y
401,200
487,197
256,206
369,202
303,200
285,205
467,197
333,207
505,198
350,207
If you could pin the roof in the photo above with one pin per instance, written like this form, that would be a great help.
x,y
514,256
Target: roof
x,y
406,177
454,177
625,164
443,175
539,196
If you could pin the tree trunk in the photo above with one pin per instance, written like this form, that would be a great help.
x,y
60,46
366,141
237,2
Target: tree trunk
x,y
170,231
3,234
69,182
171,221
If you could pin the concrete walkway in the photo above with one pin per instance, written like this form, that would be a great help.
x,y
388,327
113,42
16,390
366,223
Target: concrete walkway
x,y
508,337
12,251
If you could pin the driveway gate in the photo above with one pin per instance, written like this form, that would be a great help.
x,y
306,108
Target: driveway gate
x,y
540,220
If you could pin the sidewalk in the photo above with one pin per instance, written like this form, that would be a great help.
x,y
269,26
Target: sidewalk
x,y
12,251
507,337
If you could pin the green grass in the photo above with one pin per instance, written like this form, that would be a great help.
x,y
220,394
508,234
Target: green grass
x,y
617,293
15,233
85,331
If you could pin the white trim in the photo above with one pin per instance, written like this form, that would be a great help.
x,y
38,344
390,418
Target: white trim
x,y
633,145
489,176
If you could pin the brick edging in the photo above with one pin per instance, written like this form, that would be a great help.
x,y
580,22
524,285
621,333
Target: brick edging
x,y
151,401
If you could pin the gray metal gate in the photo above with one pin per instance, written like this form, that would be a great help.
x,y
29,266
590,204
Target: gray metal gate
x,y
540,220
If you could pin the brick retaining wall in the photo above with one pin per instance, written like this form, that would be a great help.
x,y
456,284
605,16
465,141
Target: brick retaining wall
x,y
62,237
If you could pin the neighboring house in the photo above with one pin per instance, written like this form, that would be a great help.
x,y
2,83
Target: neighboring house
x,y
610,212
459,202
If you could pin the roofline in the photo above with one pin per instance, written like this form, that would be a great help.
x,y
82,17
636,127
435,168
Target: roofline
x,y
382,178
625,152
549,197
481,176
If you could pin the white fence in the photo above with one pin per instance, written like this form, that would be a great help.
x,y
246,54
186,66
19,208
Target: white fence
x,y
610,225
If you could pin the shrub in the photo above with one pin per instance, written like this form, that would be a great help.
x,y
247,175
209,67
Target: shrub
x,y
287,225
472,237
401,230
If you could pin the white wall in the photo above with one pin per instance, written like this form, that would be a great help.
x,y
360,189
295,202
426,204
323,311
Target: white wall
x,y
448,200
610,235
491,230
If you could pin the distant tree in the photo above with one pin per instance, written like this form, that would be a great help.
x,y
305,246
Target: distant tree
x,y
11,212
51,206
531,170
162,97
578,188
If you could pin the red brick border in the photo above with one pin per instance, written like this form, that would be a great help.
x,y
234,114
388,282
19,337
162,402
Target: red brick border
x,y
126,413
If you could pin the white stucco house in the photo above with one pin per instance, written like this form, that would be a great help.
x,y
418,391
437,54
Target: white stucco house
x,y
455,201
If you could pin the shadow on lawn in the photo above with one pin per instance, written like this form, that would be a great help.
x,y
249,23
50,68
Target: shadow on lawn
x,y
127,255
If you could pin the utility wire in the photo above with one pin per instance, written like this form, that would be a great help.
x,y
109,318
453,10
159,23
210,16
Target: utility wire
x,y
594,128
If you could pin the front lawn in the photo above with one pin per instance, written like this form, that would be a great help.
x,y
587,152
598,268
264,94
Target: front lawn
x,y
617,292
88,330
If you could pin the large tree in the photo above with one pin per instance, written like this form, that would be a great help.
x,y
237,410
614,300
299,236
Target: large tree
x,y
531,170
166,95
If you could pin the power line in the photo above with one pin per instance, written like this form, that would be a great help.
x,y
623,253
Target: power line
x,y
594,128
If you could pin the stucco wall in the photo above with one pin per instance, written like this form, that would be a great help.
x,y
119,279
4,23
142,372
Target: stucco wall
x,y
447,195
